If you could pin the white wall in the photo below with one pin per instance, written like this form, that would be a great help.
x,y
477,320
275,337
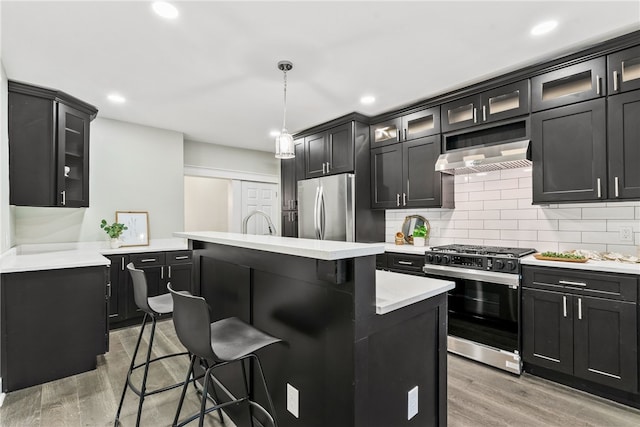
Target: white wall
x,y
201,154
206,204
132,168
496,209
7,236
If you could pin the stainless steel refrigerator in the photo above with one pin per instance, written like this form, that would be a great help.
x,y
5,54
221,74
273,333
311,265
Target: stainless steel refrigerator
x,y
326,208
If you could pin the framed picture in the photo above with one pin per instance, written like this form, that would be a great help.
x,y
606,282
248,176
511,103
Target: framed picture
x,y
137,232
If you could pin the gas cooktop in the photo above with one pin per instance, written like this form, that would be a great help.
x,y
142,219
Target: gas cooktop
x,y
484,250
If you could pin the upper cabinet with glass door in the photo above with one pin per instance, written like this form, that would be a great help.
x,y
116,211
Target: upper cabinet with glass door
x,y
406,128
568,85
496,104
624,70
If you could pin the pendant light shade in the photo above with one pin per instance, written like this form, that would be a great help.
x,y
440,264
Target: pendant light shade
x,y
284,142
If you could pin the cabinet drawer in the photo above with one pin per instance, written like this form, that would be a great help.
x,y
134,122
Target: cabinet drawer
x,y
597,284
404,262
179,257
381,261
147,259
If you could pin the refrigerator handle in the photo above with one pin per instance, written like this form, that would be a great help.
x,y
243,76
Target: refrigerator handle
x,y
316,213
322,214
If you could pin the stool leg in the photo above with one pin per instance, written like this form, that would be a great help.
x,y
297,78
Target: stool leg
x,y
184,390
133,361
143,389
215,397
264,384
246,389
203,403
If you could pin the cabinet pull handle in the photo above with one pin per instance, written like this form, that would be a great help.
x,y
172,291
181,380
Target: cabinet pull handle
x,y
323,166
405,134
404,199
567,282
615,80
182,257
405,262
579,308
475,115
597,85
162,272
148,260
398,135
108,290
397,199
484,113
328,167
64,197
169,268
122,263
617,189
564,305
599,188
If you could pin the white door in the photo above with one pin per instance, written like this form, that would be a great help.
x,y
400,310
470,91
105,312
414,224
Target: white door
x,y
263,197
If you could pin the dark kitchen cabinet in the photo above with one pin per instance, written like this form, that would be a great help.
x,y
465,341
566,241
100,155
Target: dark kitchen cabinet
x,y
624,70
403,175
569,153
118,288
291,171
406,128
329,152
179,270
569,85
624,145
48,147
501,103
583,324
290,223
153,265
405,263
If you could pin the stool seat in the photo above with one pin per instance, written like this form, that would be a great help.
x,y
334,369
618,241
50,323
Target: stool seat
x,y
161,304
232,339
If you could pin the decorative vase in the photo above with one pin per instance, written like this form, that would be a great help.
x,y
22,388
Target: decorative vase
x,y
115,243
418,241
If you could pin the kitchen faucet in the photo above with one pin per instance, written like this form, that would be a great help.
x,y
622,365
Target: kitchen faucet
x,y
245,221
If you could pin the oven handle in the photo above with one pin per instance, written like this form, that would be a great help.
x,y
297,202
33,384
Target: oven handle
x,y
512,280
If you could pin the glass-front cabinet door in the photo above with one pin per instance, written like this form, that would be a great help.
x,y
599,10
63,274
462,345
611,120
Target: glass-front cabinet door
x,y
460,113
421,123
504,102
387,132
624,70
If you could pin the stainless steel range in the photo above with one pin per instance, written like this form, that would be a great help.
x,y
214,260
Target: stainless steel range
x,y
484,307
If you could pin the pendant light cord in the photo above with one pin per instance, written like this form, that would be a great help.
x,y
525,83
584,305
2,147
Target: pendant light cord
x,y
284,117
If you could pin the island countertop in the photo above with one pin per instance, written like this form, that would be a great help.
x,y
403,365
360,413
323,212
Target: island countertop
x,y
397,290
309,248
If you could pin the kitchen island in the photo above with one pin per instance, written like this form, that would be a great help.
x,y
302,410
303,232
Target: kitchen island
x,y
361,348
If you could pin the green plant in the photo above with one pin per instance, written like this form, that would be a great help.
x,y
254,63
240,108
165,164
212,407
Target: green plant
x,y
114,230
561,255
421,231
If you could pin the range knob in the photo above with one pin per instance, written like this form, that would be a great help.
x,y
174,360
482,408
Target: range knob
x,y
438,259
499,264
430,258
511,265
445,259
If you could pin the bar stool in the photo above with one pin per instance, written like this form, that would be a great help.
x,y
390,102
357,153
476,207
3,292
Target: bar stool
x,y
217,344
153,308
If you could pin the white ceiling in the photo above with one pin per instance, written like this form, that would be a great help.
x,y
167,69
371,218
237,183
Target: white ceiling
x,y
212,75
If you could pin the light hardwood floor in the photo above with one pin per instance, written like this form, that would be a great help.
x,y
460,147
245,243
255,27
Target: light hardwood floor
x,y
477,395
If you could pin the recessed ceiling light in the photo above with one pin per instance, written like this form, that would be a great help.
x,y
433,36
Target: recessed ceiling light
x,y
274,133
368,99
164,9
116,98
543,28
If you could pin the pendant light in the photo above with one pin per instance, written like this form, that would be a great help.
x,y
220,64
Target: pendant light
x,y
284,142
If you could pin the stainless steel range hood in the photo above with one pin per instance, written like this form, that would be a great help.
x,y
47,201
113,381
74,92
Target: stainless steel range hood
x,y
484,158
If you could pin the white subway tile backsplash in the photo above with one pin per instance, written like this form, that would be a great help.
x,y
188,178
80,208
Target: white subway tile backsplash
x,y
567,213
502,184
582,225
485,195
624,212
500,204
496,209
518,214
538,224
560,236
501,225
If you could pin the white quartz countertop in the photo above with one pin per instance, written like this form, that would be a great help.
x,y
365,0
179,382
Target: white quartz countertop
x,y
592,265
397,290
73,255
308,248
406,249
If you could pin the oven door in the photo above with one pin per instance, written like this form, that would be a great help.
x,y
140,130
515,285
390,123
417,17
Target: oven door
x,y
483,306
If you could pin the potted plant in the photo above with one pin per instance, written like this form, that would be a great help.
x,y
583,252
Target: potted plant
x,y
114,231
420,235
